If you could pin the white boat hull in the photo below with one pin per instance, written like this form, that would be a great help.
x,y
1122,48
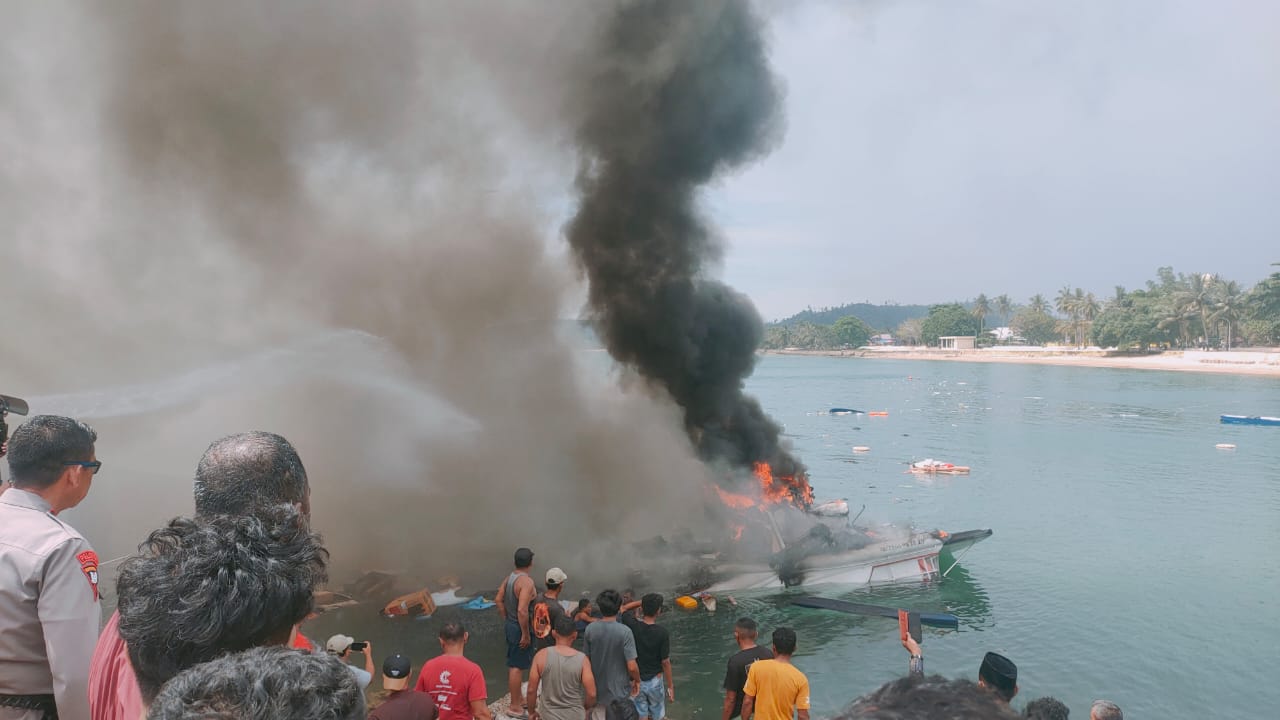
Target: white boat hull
x,y
891,561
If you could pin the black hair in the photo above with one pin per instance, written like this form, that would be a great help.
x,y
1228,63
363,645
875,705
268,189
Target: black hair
x,y
609,602
584,603
242,473
564,626
453,632
1046,708
784,641
39,447
263,682
201,588
523,558
650,604
927,698
747,627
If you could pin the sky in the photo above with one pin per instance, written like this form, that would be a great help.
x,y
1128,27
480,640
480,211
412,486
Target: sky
x,y
936,150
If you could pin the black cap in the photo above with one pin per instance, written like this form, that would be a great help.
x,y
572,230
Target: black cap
x,y
395,672
524,557
1000,674
396,666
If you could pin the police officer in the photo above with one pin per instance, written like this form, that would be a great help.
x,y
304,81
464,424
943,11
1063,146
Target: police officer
x,y
49,610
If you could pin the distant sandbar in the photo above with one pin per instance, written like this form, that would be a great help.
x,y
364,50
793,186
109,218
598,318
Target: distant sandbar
x,y
1260,362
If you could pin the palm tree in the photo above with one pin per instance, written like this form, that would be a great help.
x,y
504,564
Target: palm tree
x,y
1229,307
1004,306
1064,328
1179,311
1119,296
1088,307
981,309
1063,301
1038,304
1067,304
1199,298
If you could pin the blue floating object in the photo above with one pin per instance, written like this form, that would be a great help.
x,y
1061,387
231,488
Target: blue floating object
x,y
477,603
1247,420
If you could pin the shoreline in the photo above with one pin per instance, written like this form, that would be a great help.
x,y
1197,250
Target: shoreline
x,y
1233,362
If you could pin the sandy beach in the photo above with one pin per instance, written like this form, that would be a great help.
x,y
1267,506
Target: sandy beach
x,y
1260,362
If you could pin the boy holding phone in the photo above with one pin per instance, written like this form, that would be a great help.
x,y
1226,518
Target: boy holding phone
x,y
342,646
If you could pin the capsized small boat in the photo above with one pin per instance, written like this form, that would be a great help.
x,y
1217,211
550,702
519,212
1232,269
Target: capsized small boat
x,y
414,604
844,411
937,467
1250,420
326,600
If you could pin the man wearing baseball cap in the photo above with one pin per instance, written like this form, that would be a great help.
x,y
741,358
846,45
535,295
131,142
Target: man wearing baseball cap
x,y
342,645
542,636
402,703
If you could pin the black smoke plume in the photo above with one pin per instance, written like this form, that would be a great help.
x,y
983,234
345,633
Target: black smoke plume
x,y
682,94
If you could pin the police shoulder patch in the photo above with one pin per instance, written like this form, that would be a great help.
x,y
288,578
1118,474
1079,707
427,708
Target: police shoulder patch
x,y
89,566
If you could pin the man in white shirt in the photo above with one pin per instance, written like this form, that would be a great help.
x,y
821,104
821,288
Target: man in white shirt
x,y
342,646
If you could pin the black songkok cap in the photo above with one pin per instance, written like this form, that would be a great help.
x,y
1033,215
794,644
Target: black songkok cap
x,y
1000,674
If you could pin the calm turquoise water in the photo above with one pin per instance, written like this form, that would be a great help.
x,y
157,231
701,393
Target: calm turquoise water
x,y
1131,559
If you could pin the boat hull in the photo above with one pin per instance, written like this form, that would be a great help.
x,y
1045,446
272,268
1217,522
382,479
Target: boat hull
x,y
909,559
1250,420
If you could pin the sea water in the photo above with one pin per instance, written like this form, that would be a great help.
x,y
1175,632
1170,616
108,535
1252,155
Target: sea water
x,y
1131,560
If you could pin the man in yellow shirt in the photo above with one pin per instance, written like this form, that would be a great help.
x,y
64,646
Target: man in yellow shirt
x,y
775,687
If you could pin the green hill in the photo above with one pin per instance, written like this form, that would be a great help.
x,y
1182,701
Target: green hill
x,y
879,317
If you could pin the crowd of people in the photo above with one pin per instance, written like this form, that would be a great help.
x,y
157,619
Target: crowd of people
x,y
209,609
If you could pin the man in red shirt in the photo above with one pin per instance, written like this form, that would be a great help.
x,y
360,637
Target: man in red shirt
x,y
236,475
454,682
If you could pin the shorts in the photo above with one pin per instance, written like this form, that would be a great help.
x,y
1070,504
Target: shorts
x,y
518,657
652,700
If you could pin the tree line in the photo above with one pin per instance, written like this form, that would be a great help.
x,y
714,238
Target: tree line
x,y
1173,310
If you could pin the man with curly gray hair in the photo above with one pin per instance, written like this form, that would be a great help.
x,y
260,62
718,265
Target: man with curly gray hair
x,y
203,588
239,474
266,683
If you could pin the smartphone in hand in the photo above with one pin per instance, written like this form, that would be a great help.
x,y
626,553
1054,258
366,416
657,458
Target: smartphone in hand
x,y
358,646
908,624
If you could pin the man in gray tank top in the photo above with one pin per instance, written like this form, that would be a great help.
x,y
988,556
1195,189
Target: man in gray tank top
x,y
513,598
564,675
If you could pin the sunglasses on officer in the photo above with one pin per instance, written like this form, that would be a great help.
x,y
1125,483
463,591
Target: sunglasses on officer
x,y
94,465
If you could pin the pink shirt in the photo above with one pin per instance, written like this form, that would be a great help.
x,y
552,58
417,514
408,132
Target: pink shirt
x,y
113,689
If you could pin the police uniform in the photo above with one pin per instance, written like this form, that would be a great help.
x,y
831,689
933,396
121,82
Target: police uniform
x,y
49,612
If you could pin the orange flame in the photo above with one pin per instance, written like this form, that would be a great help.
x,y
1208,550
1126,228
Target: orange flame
x,y
734,500
790,489
775,490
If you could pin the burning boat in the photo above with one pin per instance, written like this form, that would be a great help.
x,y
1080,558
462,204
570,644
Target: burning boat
x,y
781,542
913,556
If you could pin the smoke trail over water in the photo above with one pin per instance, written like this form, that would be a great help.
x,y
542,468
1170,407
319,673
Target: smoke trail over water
x,y
189,184
682,94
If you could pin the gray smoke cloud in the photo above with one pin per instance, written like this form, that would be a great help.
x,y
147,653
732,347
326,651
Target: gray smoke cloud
x,y
328,220
680,95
